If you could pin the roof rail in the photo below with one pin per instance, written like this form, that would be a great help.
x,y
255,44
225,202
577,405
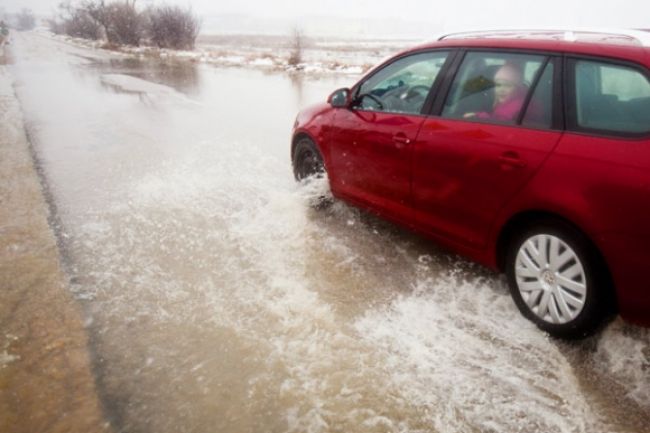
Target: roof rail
x,y
569,35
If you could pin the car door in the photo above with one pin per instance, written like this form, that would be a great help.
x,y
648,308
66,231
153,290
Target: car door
x,y
370,152
481,148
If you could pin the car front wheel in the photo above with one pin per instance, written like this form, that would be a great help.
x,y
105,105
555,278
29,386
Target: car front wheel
x,y
557,280
307,160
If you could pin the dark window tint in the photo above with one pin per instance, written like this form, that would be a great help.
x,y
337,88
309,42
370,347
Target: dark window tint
x,y
612,98
540,109
491,87
403,86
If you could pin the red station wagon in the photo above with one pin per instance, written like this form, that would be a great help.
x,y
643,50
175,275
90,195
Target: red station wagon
x,y
526,151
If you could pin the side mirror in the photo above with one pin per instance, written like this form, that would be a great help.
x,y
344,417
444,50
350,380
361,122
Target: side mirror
x,y
340,98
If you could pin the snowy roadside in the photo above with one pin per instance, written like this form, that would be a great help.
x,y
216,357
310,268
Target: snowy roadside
x,y
46,383
319,56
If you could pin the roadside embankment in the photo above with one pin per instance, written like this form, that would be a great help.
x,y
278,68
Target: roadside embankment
x,y
46,383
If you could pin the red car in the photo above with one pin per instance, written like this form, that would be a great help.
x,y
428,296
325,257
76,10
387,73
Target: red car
x,y
527,151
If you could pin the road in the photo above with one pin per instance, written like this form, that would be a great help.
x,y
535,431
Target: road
x,y
216,300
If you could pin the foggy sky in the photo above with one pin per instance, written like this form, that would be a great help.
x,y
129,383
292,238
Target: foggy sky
x,y
456,15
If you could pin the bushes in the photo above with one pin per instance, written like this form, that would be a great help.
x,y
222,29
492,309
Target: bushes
x,y
81,25
172,27
76,22
120,23
123,24
297,46
25,20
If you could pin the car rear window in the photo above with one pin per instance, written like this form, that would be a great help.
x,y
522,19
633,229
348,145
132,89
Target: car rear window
x,y
611,98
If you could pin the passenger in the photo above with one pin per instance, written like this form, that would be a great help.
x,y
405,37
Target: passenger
x,y
509,95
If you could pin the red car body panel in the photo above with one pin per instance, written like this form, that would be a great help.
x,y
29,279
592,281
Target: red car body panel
x,y
465,172
460,182
363,136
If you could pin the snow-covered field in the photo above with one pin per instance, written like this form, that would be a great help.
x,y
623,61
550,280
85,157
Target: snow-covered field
x,y
319,55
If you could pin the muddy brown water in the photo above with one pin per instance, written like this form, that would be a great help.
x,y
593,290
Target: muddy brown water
x,y
216,300
46,380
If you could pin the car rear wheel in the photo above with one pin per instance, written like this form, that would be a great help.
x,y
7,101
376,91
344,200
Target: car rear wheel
x,y
557,280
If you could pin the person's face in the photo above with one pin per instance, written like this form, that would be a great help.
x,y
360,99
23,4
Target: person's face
x,y
508,82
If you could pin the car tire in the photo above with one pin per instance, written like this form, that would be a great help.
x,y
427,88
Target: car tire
x,y
307,160
557,279
307,166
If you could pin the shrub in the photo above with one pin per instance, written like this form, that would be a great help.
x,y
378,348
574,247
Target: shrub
x,y
56,26
122,23
297,46
172,27
119,22
83,26
76,21
25,20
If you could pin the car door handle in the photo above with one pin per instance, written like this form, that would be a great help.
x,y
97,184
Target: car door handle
x,y
401,138
511,159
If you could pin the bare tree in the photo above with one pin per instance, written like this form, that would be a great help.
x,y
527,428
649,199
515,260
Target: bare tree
x,y
172,27
119,22
76,21
297,45
25,20
123,24
56,26
97,10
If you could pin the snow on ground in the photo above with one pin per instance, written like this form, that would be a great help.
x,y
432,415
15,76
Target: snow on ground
x,y
319,55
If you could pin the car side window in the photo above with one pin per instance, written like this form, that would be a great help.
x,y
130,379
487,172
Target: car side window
x,y
491,86
403,86
611,98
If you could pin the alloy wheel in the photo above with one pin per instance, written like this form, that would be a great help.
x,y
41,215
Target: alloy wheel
x,y
551,279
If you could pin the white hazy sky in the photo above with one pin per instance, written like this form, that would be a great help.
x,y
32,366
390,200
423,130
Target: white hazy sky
x,y
453,14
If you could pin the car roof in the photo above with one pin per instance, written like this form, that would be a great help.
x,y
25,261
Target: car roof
x,y
632,45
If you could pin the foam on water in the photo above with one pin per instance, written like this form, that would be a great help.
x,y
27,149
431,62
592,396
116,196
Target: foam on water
x,y
454,350
7,358
624,354
458,348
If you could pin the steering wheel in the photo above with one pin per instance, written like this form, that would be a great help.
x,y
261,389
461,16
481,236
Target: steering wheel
x,y
373,98
415,91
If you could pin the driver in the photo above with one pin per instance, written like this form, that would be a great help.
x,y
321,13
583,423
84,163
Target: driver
x,y
509,95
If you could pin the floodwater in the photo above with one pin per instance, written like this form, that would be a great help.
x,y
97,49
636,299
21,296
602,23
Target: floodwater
x,y
217,300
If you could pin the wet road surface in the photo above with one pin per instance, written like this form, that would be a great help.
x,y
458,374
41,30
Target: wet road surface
x,y
216,300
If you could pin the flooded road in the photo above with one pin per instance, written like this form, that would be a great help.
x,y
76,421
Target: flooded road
x,y
216,300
